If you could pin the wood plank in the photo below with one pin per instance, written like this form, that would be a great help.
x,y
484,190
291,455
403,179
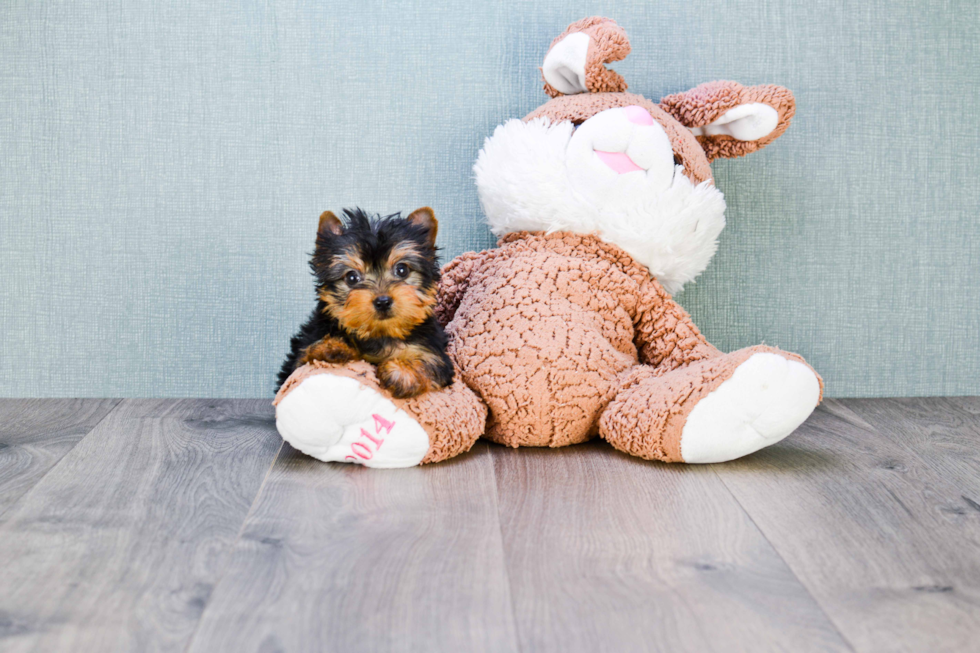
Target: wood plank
x,y
873,532
119,546
36,433
943,431
607,552
342,558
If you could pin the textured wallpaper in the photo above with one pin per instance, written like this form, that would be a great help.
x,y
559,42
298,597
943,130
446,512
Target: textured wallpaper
x,y
164,163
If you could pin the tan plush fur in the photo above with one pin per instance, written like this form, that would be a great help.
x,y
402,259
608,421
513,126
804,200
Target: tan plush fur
x,y
706,103
607,43
561,337
453,417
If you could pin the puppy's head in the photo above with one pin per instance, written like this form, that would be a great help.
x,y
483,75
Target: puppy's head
x,y
377,276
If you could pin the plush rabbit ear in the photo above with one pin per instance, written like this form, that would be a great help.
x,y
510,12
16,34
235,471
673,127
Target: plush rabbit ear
x,y
574,63
731,120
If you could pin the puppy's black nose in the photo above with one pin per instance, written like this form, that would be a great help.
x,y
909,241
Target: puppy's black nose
x,y
382,303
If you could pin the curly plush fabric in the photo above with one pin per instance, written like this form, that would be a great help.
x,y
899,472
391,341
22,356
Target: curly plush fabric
x,y
454,418
547,326
558,337
704,104
648,415
607,43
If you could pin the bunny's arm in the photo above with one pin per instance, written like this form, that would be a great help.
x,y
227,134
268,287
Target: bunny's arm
x,y
665,335
454,283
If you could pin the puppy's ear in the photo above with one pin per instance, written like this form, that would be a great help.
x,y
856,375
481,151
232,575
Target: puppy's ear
x,y
426,218
330,224
731,120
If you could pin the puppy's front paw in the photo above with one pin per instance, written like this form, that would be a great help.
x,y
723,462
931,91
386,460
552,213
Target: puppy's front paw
x,y
403,379
328,350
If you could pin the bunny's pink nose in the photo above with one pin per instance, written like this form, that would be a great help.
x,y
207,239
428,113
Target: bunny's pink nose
x,y
638,115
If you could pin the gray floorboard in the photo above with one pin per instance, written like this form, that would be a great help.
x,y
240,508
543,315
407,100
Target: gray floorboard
x,y
173,525
944,433
36,433
342,558
612,553
877,535
118,547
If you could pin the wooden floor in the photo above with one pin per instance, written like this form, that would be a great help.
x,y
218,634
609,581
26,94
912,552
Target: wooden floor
x,y
186,525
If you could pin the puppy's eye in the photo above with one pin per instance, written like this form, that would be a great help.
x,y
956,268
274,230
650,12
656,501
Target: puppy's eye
x,y
352,278
401,270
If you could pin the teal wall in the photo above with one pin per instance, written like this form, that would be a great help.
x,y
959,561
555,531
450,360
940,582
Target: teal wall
x,y
163,165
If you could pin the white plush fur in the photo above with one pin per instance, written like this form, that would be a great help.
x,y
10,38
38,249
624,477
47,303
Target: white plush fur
x,y
766,399
564,65
746,122
523,182
326,417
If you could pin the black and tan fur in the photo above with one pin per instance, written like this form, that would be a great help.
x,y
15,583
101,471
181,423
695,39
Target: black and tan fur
x,y
376,283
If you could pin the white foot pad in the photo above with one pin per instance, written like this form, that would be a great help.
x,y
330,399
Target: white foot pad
x,y
336,418
765,400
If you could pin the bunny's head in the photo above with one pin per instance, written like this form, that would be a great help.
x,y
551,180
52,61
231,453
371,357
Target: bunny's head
x,y
598,160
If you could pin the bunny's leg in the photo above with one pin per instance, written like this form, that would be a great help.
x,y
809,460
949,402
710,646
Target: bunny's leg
x,y
712,410
341,413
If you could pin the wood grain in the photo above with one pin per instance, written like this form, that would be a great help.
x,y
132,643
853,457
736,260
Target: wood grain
x,y
878,536
36,433
611,553
943,431
342,558
168,527
119,546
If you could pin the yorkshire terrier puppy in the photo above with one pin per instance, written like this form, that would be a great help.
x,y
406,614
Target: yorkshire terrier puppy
x,y
376,282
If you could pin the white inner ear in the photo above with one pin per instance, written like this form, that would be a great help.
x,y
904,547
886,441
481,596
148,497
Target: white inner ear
x,y
746,122
564,65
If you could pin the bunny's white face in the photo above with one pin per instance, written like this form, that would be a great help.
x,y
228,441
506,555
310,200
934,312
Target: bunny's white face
x,y
607,150
613,176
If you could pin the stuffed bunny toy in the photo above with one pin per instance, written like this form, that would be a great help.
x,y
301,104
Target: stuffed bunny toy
x,y
604,204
